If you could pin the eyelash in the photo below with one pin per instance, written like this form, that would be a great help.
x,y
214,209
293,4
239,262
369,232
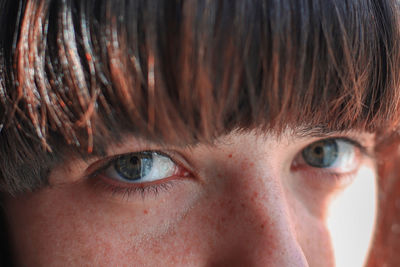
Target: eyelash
x,y
334,179
127,190
363,149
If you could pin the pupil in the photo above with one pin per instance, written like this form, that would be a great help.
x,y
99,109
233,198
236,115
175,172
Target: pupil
x,y
134,161
321,154
318,150
134,167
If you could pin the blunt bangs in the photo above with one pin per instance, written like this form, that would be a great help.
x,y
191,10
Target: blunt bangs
x,y
79,73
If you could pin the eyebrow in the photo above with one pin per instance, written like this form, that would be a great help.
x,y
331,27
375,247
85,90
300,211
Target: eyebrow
x,y
317,131
364,139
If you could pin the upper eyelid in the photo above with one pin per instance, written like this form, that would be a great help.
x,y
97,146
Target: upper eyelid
x,y
180,157
366,151
355,143
104,163
364,154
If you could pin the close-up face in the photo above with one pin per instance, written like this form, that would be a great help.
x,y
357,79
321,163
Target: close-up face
x,y
248,199
199,133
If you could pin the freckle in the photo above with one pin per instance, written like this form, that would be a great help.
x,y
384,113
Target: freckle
x,y
243,166
145,211
230,156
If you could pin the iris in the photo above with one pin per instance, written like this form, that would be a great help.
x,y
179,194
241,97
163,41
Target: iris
x,y
134,166
321,154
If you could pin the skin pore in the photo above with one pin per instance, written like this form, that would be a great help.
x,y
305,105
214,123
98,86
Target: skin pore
x,y
102,103
247,199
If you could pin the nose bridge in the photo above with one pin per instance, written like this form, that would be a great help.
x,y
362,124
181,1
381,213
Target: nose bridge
x,y
265,233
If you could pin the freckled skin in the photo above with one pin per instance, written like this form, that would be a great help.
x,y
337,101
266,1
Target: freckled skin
x,y
245,208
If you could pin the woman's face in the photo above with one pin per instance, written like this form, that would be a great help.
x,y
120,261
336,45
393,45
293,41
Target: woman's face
x,y
249,199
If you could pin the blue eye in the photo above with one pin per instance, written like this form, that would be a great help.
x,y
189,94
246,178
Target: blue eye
x,y
330,153
141,167
133,167
321,154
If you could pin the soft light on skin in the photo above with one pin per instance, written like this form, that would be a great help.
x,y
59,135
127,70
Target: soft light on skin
x,y
243,205
352,219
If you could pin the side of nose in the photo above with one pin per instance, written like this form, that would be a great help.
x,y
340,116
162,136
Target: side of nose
x,y
258,228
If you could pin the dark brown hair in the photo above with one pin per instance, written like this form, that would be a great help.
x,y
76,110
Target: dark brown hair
x,y
77,74
80,73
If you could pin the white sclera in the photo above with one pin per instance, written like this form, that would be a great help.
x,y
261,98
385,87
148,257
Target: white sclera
x,y
345,161
162,167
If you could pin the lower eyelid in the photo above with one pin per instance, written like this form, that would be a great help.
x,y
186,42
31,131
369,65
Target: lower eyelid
x,y
117,190
115,182
359,153
132,192
325,180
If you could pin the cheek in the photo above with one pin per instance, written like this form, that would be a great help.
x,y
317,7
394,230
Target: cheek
x,y
73,227
352,217
184,227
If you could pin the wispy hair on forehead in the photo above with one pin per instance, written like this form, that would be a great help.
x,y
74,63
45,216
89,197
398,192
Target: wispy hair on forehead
x,y
82,73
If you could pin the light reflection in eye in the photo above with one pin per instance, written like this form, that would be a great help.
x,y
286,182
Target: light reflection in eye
x,y
141,167
334,153
335,159
142,173
329,165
